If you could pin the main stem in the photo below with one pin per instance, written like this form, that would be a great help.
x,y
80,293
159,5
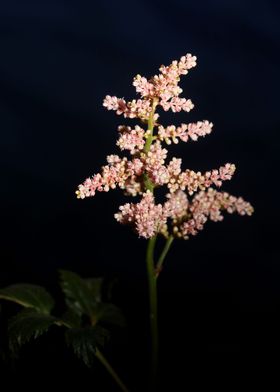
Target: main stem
x,y
147,182
153,310
151,266
150,127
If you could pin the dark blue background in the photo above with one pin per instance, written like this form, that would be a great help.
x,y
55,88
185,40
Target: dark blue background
x,y
220,291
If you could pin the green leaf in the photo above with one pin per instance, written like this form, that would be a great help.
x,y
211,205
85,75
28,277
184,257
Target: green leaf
x,y
95,286
29,296
83,296
111,314
80,295
71,319
26,325
84,342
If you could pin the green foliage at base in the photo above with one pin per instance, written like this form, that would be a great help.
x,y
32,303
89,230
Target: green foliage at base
x,y
84,341
29,296
86,317
28,324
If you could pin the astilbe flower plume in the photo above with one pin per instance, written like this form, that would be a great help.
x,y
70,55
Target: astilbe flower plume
x,y
191,199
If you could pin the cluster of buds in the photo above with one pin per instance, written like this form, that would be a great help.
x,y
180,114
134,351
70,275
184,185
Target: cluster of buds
x,y
191,199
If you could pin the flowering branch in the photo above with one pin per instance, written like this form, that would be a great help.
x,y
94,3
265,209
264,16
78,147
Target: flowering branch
x,y
191,198
164,252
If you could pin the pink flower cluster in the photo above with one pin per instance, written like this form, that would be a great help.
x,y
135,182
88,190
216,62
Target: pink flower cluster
x,y
136,108
188,217
184,132
208,205
192,181
163,88
147,217
119,172
190,199
131,139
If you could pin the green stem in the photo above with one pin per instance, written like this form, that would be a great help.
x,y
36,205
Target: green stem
x,y
153,310
150,127
109,368
151,265
163,254
148,183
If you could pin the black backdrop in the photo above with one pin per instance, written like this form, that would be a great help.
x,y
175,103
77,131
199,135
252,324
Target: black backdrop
x,y
219,292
